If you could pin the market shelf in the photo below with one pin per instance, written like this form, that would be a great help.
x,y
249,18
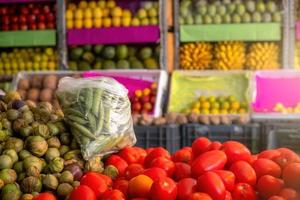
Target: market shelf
x,y
27,38
223,32
24,1
114,35
298,30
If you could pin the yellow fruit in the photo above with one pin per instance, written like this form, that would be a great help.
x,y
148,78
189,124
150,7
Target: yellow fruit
x,y
92,4
14,65
49,51
197,105
215,111
205,111
206,105
36,65
52,65
111,4
126,13
107,22
145,22
88,14
29,65
97,13
44,65
69,14
263,55
72,6
105,12
102,4
223,112
196,55
78,14
242,111
45,57
235,105
225,105
116,21
153,21
37,58
21,65
126,21
135,22
97,23
116,12
78,24
202,99
7,65
70,24
83,4
152,12
88,23
229,55
142,13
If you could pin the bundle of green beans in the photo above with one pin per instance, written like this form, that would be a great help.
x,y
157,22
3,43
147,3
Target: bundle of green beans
x,y
100,119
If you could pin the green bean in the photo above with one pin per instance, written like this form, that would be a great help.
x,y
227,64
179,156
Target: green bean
x,y
100,119
107,117
77,119
72,111
92,122
96,101
84,131
88,100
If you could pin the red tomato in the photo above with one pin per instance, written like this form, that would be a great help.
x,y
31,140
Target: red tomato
x,y
113,195
95,182
266,167
253,159
121,185
200,146
227,177
142,153
165,164
243,191
182,170
236,151
132,154
133,170
199,196
215,145
269,154
286,156
149,150
182,155
155,153
212,184
208,161
268,186
155,173
185,187
83,192
164,189
107,180
44,196
276,198
118,162
228,196
243,172
291,175
289,194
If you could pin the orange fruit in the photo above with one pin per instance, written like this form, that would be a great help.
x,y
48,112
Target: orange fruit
x,y
139,186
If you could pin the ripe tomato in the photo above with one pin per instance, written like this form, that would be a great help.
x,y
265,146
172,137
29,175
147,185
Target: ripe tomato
x,y
208,161
113,195
236,151
243,191
142,153
155,153
132,154
165,164
118,162
155,173
45,196
215,145
107,180
212,184
95,182
182,170
139,186
264,166
269,154
243,172
227,177
121,185
149,150
286,156
268,186
133,170
200,146
185,187
291,175
182,155
83,192
164,189
199,196
276,198
228,196
289,194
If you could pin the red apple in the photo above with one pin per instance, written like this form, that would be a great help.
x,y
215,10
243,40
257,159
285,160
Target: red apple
x,y
23,27
22,19
14,27
36,11
145,99
135,99
136,106
46,9
5,19
153,100
4,11
147,106
50,25
41,26
50,17
32,26
5,27
24,10
14,19
41,18
31,19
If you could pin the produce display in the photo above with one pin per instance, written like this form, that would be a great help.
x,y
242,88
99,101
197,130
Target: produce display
x,y
113,57
230,55
38,152
279,107
27,17
97,14
229,12
19,59
208,170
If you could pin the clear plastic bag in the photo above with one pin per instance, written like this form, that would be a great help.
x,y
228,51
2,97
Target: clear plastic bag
x,y
99,114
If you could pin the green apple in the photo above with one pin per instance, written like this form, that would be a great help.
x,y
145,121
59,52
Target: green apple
x,y
202,10
236,18
207,19
227,19
189,20
221,10
256,17
260,6
212,10
184,12
266,17
246,18
241,9
231,8
271,6
217,19
250,6
198,19
277,17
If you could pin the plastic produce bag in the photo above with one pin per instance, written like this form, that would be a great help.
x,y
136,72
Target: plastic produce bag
x,y
99,114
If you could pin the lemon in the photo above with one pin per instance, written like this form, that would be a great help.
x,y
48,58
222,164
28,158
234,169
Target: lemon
x,y
88,13
97,23
126,21
107,22
231,98
97,13
83,4
135,22
197,105
102,4
205,105
52,65
235,105
126,13
225,105
215,105
145,22
142,13
152,12
21,65
44,65
29,65
202,98
36,65
78,24
70,24
37,58
116,21
69,14
72,6
92,4
105,12
116,12
49,51
153,21
111,4
88,23
78,14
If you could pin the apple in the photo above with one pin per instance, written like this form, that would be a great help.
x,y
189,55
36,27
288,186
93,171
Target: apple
x,y
36,11
146,99
32,26
24,10
5,27
46,9
146,92
41,26
136,106
4,11
50,17
147,106
41,18
31,18
14,27
23,27
153,100
50,25
22,19
14,19
5,20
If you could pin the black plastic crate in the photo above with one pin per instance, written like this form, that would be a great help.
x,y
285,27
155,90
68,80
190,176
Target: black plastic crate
x,y
249,135
167,136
